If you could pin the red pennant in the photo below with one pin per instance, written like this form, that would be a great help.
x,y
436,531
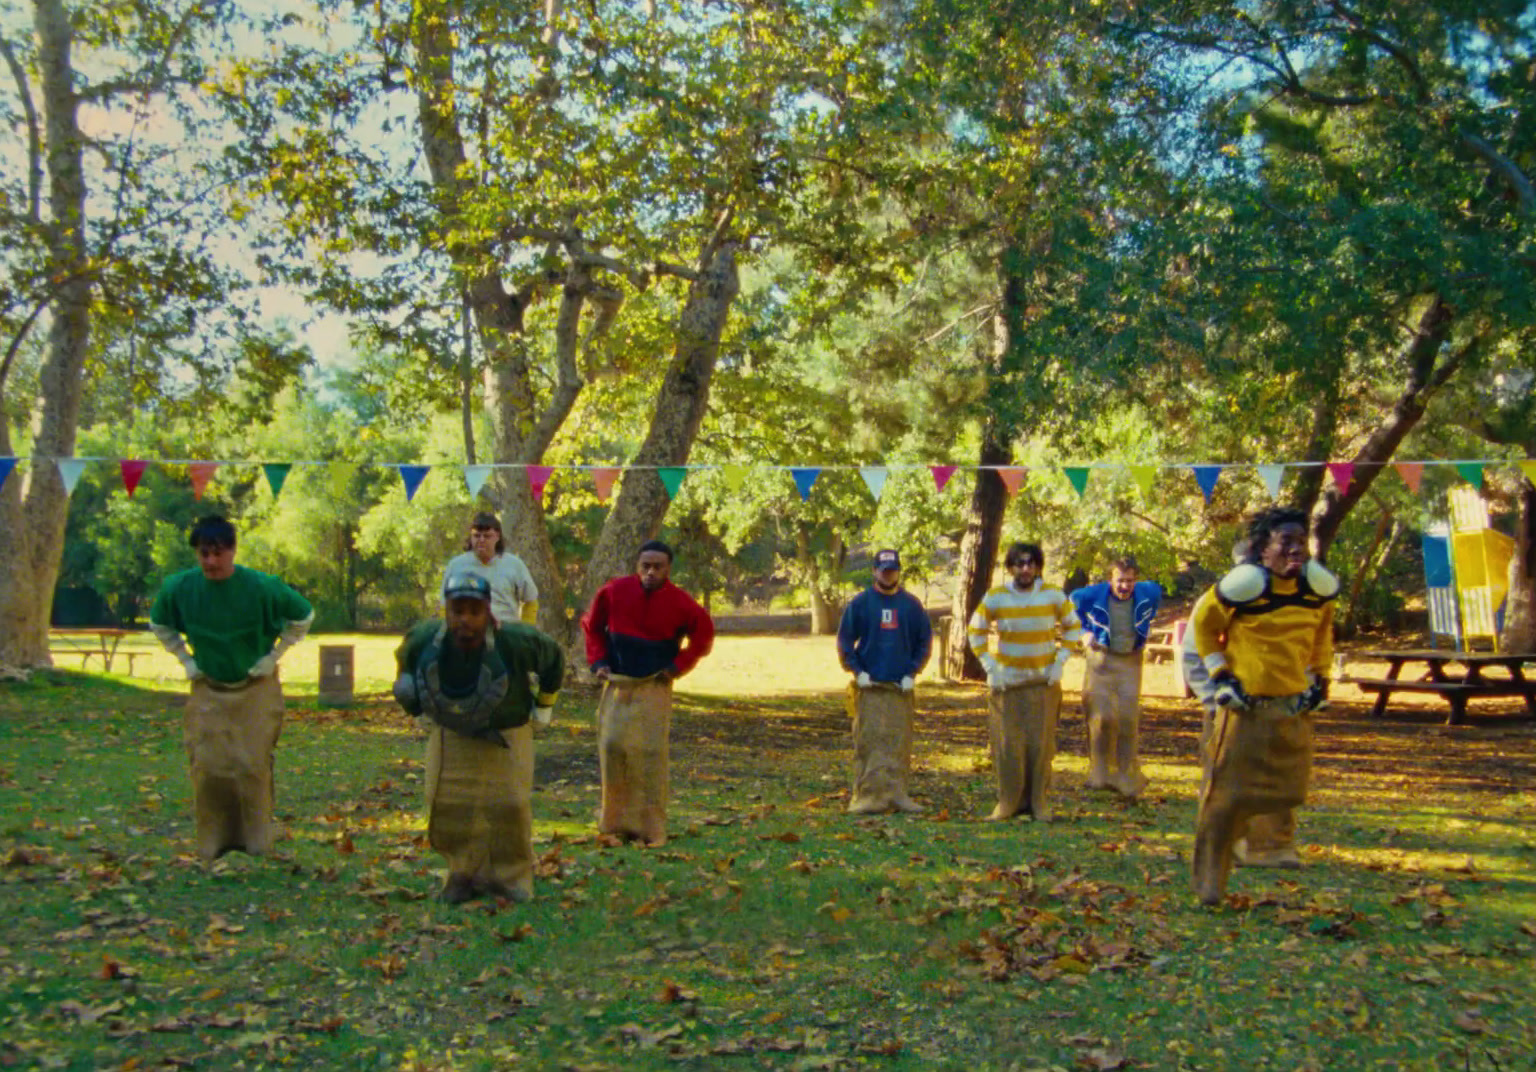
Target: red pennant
x,y
201,473
941,474
1412,473
1012,477
132,473
538,476
603,479
1342,473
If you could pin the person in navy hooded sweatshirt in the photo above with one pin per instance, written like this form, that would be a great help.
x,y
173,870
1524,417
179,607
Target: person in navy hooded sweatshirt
x,y
883,641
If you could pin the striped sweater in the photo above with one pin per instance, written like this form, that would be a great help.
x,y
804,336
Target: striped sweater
x,y
1028,625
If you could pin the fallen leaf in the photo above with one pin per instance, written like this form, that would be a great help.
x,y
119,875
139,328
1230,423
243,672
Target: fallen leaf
x,y
1471,1021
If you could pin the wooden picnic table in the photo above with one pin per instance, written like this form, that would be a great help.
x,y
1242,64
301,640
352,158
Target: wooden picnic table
x,y
86,642
1467,683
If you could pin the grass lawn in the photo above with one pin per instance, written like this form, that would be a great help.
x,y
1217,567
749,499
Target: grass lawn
x,y
772,931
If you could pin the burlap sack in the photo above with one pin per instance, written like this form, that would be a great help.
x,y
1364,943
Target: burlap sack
x,y
1261,762
230,736
1112,703
480,808
882,749
1021,726
634,719
1273,835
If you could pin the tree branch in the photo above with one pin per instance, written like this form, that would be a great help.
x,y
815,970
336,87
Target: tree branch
x,y
1358,27
34,133
1507,169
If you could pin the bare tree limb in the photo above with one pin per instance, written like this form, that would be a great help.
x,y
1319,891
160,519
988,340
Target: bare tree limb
x,y
34,133
678,270
1507,169
1358,27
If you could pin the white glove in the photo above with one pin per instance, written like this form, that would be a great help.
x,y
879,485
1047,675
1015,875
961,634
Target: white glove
x,y
1053,675
907,683
1229,691
189,664
543,715
266,665
862,681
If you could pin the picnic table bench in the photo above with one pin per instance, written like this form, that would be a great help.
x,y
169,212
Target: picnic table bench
x,y
87,642
1457,688
1162,645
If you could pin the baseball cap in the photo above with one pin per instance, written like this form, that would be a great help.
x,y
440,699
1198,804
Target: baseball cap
x,y
887,559
467,586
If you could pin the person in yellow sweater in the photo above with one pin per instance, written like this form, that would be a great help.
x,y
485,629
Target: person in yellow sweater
x,y
1265,635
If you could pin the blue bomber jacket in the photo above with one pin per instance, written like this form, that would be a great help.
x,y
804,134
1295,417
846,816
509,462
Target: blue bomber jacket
x,y
1093,608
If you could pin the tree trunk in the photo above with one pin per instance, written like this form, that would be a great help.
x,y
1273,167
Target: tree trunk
x,y
1425,375
32,531
680,405
825,607
1384,524
1520,611
978,556
1319,448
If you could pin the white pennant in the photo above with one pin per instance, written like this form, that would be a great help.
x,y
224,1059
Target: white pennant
x,y
69,472
1272,475
874,476
475,477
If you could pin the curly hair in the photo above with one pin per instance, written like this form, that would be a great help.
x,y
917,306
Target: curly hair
x,y
1264,524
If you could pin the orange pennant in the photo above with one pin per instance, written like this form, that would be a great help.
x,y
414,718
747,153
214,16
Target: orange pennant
x,y
603,479
201,473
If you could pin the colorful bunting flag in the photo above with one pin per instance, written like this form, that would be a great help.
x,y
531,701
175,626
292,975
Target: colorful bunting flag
x,y
1343,473
735,476
412,476
1077,475
133,472
1012,477
1412,473
1472,473
1206,476
804,479
672,478
6,465
603,479
1528,468
941,475
475,477
1145,477
538,477
200,473
1272,475
874,479
277,472
70,470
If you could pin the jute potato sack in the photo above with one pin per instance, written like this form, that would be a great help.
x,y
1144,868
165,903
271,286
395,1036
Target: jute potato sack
x,y
882,748
230,735
480,806
634,720
1112,702
1021,725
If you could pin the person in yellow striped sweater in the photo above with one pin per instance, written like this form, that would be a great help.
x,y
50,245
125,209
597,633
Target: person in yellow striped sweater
x,y
1034,629
1265,635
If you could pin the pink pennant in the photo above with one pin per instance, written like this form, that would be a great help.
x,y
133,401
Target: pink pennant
x,y
603,479
200,473
133,471
941,474
1342,473
1012,477
1412,473
538,476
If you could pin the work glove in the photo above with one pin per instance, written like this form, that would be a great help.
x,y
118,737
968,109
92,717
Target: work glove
x,y
907,684
1228,691
1053,675
406,695
862,680
266,665
1316,696
292,633
189,664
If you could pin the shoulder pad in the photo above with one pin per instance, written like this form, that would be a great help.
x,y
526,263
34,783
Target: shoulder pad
x,y
1323,583
1242,584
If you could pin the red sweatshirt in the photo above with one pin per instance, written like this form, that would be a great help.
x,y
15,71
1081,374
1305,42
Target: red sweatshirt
x,y
638,633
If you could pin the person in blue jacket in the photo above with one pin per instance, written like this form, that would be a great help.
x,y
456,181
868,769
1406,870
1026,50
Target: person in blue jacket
x,y
1117,615
883,641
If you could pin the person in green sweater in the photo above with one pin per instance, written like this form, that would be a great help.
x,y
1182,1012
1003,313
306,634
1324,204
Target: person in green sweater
x,y
478,684
239,622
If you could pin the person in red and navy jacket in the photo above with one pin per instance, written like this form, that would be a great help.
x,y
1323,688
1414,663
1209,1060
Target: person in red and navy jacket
x,y
636,630
637,624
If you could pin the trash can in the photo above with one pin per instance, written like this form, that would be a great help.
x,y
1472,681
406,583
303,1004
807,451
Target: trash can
x,y
336,675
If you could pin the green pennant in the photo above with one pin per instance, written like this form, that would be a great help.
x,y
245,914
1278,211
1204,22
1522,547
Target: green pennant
x,y
1472,473
277,472
672,478
1077,475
